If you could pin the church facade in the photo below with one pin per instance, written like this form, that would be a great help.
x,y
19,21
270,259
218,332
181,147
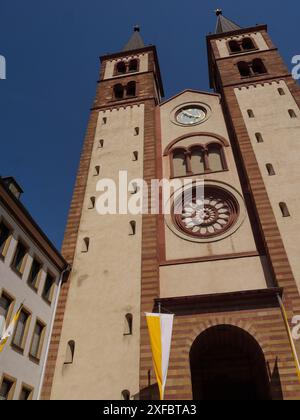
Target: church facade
x,y
221,268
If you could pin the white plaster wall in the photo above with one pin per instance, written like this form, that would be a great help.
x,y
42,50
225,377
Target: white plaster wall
x,y
257,37
281,148
105,282
110,65
13,363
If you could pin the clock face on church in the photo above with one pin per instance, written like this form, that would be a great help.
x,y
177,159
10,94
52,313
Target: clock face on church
x,y
191,115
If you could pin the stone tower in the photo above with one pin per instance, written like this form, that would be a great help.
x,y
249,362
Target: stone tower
x,y
220,264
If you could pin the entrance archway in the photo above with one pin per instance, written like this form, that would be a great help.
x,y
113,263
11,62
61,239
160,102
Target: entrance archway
x,y
227,363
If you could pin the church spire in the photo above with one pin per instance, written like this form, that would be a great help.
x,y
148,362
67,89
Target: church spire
x,y
136,42
224,24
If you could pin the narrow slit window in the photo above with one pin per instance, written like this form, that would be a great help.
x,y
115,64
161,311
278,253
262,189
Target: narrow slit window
x,y
284,210
135,156
101,144
70,352
292,113
97,170
128,324
281,92
104,120
250,113
132,228
126,395
136,131
92,203
259,138
270,169
85,245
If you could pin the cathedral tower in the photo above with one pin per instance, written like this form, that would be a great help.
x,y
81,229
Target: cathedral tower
x,y
219,264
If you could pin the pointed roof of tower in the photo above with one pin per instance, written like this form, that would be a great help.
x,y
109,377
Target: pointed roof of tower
x,y
224,24
136,41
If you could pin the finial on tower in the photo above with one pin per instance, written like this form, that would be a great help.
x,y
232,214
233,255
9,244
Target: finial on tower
x,y
219,12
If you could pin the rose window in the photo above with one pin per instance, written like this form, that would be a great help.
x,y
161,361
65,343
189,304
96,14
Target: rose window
x,y
207,216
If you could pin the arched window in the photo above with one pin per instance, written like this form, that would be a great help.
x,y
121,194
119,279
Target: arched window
x,y
248,44
85,245
258,66
128,324
281,92
135,156
215,157
244,69
250,113
259,137
132,228
118,91
234,46
131,89
70,352
179,163
121,68
97,170
197,160
133,65
136,131
284,210
292,113
270,169
100,144
92,203
126,395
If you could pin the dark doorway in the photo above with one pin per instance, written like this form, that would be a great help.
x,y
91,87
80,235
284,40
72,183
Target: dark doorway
x,y
227,364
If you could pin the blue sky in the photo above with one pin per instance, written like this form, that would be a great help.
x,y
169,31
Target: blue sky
x,y
52,49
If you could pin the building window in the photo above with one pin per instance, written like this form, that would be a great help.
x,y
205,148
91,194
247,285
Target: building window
x,y
133,65
248,44
121,67
258,67
136,131
92,203
135,156
104,121
125,395
21,330
101,144
97,170
5,238
7,388
37,340
118,91
284,210
85,245
49,287
292,113
132,228
20,258
244,69
131,89
26,393
35,274
6,308
128,324
70,352
250,113
281,92
259,138
270,169
235,46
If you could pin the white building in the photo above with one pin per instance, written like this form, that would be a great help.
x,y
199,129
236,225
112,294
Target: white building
x,y
31,271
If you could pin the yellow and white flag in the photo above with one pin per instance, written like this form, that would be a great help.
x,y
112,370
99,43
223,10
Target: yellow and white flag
x,y
9,331
293,348
160,328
